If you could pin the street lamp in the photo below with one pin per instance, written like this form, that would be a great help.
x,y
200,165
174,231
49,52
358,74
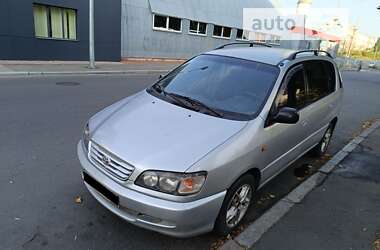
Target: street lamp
x,y
303,8
354,30
91,36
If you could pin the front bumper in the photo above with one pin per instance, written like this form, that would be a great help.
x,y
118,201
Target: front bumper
x,y
166,217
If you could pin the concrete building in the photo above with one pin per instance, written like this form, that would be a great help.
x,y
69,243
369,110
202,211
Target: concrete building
x,y
58,29
179,29
124,29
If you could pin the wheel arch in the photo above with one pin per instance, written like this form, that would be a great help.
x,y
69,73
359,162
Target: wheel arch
x,y
255,172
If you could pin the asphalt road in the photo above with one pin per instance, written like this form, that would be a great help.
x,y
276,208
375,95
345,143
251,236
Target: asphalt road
x,y
40,125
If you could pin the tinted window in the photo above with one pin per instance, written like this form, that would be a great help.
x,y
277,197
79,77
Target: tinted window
x,y
321,79
194,26
174,24
236,87
217,30
198,27
159,21
239,34
293,95
202,28
227,32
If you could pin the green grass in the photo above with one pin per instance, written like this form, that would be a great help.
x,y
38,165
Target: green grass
x,y
363,55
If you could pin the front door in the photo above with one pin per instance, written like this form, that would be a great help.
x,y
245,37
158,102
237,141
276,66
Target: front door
x,y
283,142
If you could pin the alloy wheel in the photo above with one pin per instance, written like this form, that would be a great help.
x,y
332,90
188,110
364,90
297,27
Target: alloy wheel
x,y
326,140
238,205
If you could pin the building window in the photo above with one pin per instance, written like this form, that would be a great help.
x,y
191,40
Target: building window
x,y
167,23
40,21
274,40
222,32
198,28
218,30
260,37
55,22
242,35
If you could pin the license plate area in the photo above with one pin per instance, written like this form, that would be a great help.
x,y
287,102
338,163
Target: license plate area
x,y
101,189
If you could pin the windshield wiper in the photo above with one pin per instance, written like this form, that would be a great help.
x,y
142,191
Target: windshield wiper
x,y
180,99
174,97
195,103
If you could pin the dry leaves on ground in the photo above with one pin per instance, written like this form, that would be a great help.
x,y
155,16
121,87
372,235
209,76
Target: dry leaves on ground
x,y
78,200
376,243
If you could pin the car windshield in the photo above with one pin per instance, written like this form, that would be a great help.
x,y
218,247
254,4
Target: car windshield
x,y
230,87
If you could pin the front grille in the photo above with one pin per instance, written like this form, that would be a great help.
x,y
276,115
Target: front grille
x,y
109,162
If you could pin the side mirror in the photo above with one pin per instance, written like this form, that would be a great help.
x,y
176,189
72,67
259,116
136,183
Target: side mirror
x,y
287,116
160,77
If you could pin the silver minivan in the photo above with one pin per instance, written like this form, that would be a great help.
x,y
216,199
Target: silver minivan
x,y
186,155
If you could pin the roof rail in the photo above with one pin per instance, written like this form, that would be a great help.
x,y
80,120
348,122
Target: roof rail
x,y
316,53
251,44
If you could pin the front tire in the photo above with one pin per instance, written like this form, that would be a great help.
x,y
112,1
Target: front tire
x,y
235,205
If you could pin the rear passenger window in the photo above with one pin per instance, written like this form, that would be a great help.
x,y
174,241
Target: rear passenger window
x,y
294,94
320,78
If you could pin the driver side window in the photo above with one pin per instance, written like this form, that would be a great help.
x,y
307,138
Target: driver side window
x,y
293,93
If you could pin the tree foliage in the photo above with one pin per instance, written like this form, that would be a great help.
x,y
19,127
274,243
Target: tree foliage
x,y
377,45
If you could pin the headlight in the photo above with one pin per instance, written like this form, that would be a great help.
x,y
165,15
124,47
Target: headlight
x,y
86,136
172,183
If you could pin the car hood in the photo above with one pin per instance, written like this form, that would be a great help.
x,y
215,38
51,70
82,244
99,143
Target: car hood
x,y
150,133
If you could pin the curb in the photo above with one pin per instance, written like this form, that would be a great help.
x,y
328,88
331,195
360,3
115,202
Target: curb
x,y
105,72
256,230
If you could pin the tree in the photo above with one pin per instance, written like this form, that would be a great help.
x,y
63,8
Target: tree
x,y
377,45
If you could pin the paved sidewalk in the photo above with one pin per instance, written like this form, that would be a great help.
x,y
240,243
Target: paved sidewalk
x,y
24,68
59,67
343,212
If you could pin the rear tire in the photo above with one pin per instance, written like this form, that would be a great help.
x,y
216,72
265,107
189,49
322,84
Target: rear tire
x,y
235,205
322,146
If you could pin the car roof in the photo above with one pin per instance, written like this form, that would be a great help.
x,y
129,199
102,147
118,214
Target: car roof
x,y
263,54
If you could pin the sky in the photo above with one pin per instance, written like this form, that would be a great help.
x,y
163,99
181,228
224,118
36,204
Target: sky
x,y
363,13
